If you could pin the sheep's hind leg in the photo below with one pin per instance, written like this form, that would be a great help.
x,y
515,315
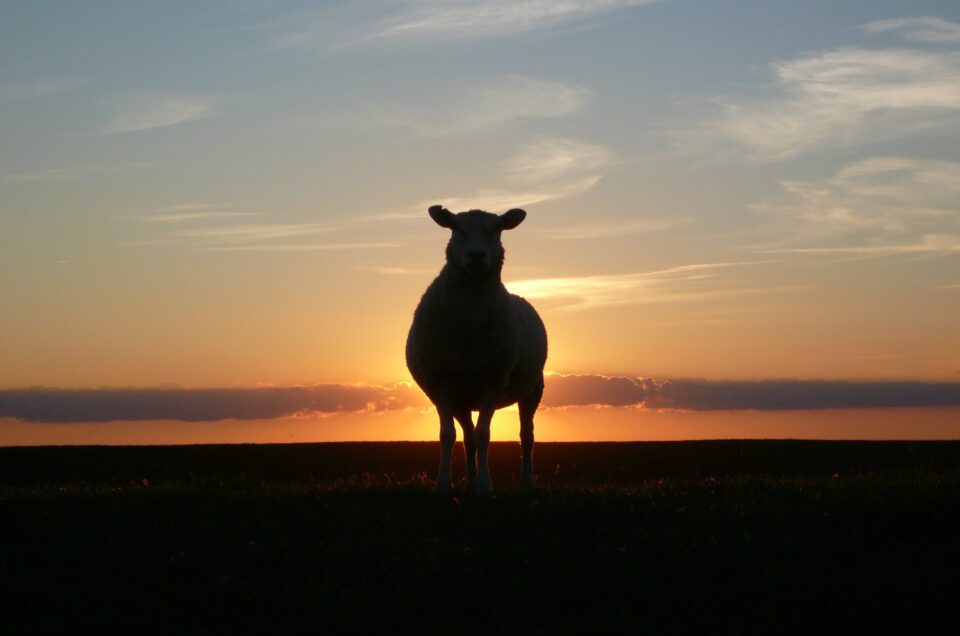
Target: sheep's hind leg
x,y
481,437
528,406
469,448
448,435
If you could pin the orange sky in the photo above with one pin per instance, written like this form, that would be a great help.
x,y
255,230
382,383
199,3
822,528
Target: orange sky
x,y
703,201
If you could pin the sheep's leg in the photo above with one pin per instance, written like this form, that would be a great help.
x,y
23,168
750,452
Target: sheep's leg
x,y
469,448
481,438
448,435
528,407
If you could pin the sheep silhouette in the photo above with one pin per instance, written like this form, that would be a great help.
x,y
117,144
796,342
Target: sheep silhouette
x,y
473,346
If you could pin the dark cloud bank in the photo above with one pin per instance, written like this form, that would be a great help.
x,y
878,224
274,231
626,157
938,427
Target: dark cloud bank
x,y
195,405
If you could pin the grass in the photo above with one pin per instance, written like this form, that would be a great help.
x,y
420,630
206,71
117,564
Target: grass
x,y
718,537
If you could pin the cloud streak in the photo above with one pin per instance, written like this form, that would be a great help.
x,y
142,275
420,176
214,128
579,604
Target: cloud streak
x,y
931,30
250,233
187,226
437,20
302,247
614,228
202,405
53,174
928,244
184,212
489,18
477,108
136,113
685,283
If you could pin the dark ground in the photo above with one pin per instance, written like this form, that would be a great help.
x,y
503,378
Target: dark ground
x,y
712,537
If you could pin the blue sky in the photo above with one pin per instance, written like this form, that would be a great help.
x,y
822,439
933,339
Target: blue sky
x,y
235,192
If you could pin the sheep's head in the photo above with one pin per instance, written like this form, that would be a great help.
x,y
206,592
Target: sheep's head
x,y
474,248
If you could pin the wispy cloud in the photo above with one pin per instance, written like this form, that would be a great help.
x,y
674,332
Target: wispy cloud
x,y
602,229
500,200
178,217
494,200
394,271
685,283
84,170
433,20
485,18
546,169
477,108
928,29
38,88
927,244
54,174
301,247
135,113
876,206
252,233
840,97
566,167
185,212
547,158
188,225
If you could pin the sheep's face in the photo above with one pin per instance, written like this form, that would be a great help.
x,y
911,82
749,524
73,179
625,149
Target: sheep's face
x,y
474,246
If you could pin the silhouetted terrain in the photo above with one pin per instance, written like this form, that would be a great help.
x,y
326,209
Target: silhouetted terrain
x,y
730,537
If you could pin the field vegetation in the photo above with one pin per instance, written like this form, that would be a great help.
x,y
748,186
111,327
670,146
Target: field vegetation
x,y
716,537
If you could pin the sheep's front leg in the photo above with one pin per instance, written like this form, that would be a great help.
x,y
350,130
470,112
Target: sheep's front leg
x,y
448,435
481,438
469,448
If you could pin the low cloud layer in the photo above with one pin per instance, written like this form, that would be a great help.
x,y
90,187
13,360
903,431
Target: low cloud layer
x,y
789,395
199,405
196,405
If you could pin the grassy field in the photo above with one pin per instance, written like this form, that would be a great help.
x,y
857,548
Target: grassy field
x,y
716,537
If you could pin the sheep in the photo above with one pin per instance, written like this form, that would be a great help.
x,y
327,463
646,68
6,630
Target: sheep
x,y
473,346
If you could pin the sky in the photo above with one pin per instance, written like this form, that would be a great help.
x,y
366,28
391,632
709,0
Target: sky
x,y
757,199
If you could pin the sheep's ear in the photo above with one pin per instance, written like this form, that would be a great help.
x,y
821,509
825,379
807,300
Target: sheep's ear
x,y
441,215
512,218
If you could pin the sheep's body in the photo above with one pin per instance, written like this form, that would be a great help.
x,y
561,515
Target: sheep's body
x,y
470,348
473,346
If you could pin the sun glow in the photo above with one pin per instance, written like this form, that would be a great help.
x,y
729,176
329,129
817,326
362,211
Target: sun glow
x,y
567,424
